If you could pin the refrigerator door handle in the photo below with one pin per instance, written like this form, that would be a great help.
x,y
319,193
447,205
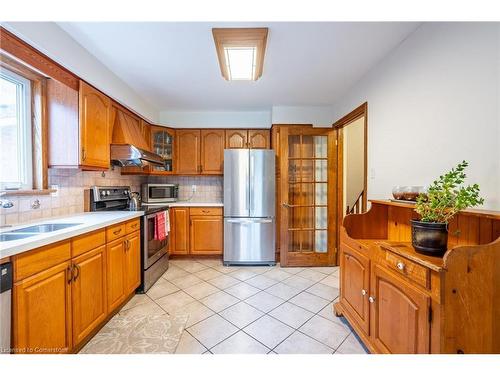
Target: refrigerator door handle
x,y
255,221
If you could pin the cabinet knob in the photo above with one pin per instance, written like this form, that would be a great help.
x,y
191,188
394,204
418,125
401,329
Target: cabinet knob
x,y
371,299
363,292
401,266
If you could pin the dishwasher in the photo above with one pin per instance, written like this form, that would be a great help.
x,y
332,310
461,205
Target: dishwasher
x,y
5,306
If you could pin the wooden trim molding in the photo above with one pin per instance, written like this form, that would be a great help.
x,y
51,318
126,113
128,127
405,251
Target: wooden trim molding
x,y
31,56
352,116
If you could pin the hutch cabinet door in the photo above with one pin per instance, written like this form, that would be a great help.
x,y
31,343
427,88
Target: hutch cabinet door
x,y
188,151
212,151
354,285
399,314
42,311
236,138
115,273
259,138
132,262
88,292
95,109
179,233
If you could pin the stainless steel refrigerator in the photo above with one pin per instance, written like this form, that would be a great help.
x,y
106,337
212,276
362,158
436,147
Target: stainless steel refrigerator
x,y
249,207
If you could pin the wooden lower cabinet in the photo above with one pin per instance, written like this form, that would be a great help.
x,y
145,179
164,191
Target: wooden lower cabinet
x,y
132,262
196,230
399,315
115,269
401,301
355,285
206,235
42,311
179,231
88,292
59,301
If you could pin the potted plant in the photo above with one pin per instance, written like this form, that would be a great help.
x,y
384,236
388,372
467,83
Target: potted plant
x,y
444,198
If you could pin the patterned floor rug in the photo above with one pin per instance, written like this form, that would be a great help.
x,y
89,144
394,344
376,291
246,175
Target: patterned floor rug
x,y
156,334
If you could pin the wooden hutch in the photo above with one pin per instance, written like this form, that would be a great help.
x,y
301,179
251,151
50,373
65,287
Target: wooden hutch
x,y
400,301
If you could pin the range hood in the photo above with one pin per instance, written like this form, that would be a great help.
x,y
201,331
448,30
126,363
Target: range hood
x,y
126,155
128,145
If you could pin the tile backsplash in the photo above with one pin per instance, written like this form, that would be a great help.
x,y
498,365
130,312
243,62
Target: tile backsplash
x,y
208,188
71,184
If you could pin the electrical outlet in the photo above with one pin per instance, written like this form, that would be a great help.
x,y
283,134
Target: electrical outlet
x,y
193,188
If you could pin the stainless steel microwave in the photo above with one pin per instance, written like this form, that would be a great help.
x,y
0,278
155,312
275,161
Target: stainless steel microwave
x,y
159,193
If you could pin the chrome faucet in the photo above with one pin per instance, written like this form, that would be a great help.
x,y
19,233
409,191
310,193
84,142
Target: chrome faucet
x,y
5,203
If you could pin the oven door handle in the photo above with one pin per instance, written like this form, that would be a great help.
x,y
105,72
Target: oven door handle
x,y
156,213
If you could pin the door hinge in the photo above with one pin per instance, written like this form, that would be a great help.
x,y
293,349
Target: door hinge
x,y
430,314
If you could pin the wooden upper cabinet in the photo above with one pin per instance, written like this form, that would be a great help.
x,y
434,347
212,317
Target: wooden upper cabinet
x,y
163,143
236,138
188,151
259,138
248,138
42,311
212,151
395,300
95,110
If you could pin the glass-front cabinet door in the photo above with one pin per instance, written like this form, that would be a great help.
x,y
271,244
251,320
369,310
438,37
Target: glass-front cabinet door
x,y
308,164
162,143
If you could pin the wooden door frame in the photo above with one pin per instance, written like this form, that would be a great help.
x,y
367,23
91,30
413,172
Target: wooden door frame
x,y
332,244
352,116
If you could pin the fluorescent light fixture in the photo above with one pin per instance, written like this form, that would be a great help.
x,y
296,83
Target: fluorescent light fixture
x,y
240,52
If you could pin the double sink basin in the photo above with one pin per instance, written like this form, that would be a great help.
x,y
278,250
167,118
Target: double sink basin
x,y
33,230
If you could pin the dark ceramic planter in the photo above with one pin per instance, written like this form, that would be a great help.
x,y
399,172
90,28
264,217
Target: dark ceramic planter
x,y
429,238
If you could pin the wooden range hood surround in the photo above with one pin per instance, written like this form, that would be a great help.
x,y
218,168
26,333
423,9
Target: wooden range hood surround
x,y
126,130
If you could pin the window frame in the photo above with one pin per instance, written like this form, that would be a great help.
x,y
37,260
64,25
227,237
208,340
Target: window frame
x,y
25,138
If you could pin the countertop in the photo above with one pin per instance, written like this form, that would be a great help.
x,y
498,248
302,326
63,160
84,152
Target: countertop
x,y
88,222
195,204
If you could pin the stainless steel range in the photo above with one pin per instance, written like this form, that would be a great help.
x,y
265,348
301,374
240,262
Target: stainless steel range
x,y
154,252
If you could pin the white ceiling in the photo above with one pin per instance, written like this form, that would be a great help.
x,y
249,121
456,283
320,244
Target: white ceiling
x,y
173,65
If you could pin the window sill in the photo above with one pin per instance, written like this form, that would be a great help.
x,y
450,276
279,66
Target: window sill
x,y
10,193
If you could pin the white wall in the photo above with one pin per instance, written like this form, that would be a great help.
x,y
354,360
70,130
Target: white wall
x,y
216,119
433,102
320,116
51,40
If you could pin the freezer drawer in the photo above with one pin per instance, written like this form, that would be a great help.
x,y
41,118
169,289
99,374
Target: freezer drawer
x,y
249,241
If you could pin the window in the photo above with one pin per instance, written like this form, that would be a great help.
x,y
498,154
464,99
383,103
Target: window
x,y
16,163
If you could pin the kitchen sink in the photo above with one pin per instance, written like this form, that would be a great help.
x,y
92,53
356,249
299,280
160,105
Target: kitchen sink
x,y
43,228
14,236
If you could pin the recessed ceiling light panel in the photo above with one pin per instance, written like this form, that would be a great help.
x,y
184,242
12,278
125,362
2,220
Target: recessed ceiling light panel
x,y
240,52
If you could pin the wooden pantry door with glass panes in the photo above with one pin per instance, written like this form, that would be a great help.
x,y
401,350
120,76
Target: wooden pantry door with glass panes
x,y
308,164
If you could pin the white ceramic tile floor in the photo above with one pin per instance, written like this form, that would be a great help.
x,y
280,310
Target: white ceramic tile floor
x,y
230,313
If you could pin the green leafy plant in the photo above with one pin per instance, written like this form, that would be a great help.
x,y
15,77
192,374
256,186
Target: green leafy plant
x,y
446,196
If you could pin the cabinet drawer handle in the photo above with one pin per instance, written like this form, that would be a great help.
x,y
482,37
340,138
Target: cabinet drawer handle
x,y
363,292
69,274
371,299
77,268
116,232
134,225
401,266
